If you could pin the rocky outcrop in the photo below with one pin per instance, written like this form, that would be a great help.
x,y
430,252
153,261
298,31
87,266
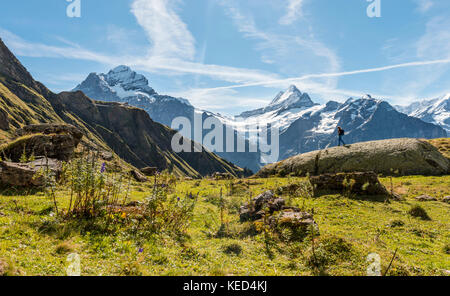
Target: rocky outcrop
x,y
52,141
222,176
388,157
30,174
363,183
446,199
149,171
272,210
48,129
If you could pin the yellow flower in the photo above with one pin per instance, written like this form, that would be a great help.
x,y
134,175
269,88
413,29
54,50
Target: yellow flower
x,y
123,216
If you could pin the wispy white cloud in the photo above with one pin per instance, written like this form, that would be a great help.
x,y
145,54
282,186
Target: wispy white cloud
x,y
309,77
424,5
282,49
169,35
294,11
30,49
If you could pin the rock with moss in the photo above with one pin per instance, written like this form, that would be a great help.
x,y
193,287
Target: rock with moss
x,y
275,213
387,157
361,183
446,199
46,140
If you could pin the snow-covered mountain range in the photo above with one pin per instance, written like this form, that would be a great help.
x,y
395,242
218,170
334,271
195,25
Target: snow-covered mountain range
x,y
304,125
436,111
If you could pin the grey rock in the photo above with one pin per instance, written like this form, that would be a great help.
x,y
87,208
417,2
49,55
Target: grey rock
x,y
28,174
425,198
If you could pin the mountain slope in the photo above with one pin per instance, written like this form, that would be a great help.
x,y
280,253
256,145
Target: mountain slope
x,y
126,130
436,111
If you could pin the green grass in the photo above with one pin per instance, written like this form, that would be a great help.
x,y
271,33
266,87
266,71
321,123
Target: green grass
x,y
350,229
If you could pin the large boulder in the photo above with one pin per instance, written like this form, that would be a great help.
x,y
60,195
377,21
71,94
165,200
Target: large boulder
x,y
396,156
52,141
362,183
30,174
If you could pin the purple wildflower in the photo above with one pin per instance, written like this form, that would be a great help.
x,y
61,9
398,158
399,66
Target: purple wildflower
x,y
141,250
178,198
103,169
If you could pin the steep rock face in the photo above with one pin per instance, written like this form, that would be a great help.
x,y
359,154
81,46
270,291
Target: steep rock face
x,y
402,156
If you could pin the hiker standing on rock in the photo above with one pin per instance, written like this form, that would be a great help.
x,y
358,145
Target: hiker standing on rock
x,y
341,133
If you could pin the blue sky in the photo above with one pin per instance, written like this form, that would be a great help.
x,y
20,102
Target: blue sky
x,y
233,55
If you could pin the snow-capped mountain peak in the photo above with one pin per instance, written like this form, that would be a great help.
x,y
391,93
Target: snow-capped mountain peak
x,y
436,111
293,96
122,84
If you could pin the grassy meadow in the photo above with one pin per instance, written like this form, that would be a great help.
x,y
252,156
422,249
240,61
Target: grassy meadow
x,y
35,240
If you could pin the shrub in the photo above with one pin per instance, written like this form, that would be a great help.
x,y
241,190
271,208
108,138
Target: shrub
x,y
64,248
396,223
419,212
446,249
168,213
233,249
330,250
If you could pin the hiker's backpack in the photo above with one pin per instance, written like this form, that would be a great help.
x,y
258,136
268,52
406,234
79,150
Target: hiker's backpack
x,y
342,133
